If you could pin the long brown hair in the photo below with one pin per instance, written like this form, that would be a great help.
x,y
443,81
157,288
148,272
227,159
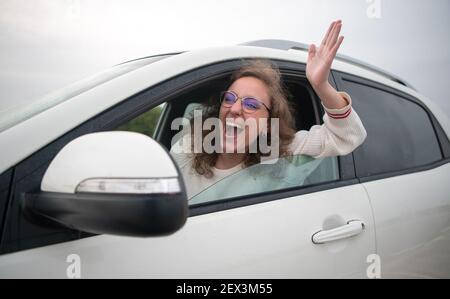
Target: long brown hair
x,y
268,73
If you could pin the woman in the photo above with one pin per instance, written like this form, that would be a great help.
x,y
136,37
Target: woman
x,y
256,94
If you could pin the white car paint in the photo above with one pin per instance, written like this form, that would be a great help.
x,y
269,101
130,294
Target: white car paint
x,y
412,219
134,155
236,243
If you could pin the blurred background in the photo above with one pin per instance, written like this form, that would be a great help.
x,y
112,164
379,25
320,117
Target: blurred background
x,y
46,44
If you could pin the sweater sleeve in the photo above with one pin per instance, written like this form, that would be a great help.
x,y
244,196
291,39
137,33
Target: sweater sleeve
x,y
341,132
181,151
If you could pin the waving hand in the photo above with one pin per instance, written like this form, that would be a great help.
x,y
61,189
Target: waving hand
x,y
320,59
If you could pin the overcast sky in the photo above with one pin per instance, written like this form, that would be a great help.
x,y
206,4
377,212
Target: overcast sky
x,y
46,44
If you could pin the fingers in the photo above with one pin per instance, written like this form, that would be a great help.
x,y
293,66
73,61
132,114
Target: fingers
x,y
336,48
324,41
332,34
332,39
312,51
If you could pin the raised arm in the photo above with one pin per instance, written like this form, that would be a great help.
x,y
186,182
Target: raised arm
x,y
342,131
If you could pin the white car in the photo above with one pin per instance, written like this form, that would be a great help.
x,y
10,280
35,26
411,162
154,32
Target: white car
x,y
82,197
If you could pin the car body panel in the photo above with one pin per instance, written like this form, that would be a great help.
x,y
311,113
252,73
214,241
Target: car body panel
x,y
412,216
267,240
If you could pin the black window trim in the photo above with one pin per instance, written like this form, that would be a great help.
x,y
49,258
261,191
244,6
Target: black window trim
x,y
6,179
412,170
443,141
259,198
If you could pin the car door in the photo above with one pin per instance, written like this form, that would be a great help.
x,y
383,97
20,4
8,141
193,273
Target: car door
x,y
404,167
252,236
264,234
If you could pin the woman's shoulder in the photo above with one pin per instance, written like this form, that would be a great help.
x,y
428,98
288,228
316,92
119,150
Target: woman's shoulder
x,y
181,150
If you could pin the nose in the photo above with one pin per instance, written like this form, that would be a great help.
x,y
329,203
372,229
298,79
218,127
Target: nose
x,y
237,107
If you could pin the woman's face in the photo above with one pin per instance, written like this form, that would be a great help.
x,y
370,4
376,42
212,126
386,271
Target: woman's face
x,y
237,136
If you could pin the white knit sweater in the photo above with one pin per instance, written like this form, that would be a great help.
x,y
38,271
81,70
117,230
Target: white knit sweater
x,y
341,133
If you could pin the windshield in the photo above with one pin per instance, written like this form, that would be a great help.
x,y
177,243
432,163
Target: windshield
x,y
287,172
16,114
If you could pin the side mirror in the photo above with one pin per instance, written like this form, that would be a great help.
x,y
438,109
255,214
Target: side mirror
x,y
119,183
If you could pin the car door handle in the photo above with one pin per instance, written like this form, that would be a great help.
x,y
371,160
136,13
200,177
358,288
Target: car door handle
x,y
352,228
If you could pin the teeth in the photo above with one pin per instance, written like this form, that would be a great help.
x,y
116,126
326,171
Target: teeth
x,y
234,125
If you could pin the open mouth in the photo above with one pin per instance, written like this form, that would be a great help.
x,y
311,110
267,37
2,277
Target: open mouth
x,y
232,129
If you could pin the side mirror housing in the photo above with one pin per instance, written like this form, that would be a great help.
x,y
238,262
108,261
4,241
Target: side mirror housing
x,y
119,183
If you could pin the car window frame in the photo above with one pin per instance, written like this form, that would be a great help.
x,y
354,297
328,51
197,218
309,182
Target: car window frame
x,y
443,141
27,175
345,166
5,197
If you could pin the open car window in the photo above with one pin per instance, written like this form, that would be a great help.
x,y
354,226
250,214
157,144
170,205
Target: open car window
x,y
287,172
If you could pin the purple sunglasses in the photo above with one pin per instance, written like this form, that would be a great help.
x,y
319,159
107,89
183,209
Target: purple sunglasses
x,y
249,104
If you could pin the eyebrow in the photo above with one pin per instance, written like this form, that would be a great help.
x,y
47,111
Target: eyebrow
x,y
247,96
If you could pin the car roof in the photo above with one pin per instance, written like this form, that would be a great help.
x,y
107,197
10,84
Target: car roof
x,y
292,45
281,44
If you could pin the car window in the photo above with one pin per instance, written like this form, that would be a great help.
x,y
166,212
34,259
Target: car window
x,y
287,172
145,123
16,114
290,172
400,134
191,107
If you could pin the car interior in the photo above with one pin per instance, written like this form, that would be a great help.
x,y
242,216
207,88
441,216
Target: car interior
x,y
300,94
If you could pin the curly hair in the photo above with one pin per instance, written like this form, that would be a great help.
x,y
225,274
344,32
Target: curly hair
x,y
268,73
